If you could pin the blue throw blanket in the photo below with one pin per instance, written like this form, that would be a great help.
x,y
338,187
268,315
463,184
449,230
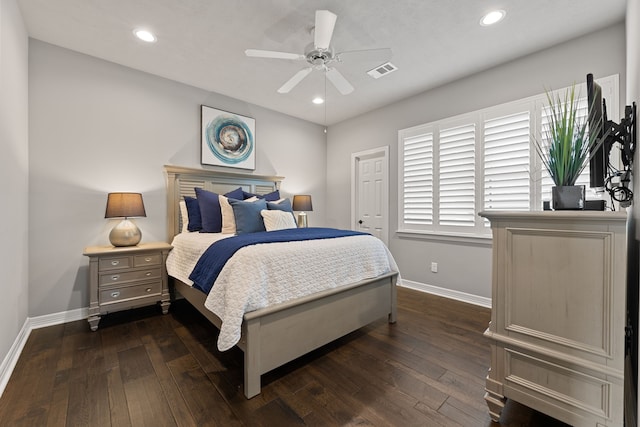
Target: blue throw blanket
x,y
216,256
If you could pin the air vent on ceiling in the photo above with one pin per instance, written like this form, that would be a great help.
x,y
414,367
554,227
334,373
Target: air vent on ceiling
x,y
382,70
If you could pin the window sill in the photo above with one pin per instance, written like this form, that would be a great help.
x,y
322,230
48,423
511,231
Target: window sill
x,y
468,239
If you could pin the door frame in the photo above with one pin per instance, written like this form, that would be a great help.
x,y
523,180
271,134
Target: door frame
x,y
382,152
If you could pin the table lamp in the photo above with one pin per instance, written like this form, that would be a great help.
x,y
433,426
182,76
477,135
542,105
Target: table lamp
x,y
125,205
302,204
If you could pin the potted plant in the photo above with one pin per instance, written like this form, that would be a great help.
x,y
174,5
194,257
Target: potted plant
x,y
565,148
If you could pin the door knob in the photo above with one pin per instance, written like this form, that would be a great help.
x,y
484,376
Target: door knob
x,y
360,222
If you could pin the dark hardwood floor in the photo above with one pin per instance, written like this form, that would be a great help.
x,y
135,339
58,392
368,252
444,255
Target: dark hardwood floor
x,y
143,368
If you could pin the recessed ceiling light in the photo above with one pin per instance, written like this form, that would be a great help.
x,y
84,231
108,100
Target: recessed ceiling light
x,y
492,17
145,35
318,100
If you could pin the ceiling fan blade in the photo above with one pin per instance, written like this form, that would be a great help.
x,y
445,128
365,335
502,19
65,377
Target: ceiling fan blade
x,y
257,53
382,54
338,80
293,81
325,22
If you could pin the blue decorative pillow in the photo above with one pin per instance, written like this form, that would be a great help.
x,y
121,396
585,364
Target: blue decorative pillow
x,y
247,215
235,194
193,212
246,195
284,205
210,212
269,197
272,197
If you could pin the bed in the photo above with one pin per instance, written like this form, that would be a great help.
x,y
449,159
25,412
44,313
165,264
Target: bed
x,y
280,333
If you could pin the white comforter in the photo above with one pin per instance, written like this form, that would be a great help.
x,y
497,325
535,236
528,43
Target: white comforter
x,y
262,275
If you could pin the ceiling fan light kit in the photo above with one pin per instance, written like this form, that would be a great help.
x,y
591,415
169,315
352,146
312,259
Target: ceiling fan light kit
x,y
319,55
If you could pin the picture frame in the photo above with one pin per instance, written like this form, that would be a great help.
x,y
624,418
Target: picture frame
x,y
227,139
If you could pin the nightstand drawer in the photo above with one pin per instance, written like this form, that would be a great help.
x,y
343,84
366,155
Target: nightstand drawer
x,y
109,296
129,276
149,259
106,264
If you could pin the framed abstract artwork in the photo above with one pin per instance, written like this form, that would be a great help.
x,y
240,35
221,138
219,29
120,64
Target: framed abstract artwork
x,y
228,139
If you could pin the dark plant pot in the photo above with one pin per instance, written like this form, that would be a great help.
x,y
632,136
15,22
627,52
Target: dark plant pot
x,y
568,197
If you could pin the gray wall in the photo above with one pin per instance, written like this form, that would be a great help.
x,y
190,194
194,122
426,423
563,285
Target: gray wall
x,y
464,268
97,127
14,174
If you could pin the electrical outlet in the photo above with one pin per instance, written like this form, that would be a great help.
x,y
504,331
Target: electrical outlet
x,y
434,267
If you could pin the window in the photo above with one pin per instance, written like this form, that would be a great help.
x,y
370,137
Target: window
x,y
453,168
418,178
507,182
457,176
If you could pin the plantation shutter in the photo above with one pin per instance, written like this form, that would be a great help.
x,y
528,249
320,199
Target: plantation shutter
x,y
506,162
457,176
418,179
583,179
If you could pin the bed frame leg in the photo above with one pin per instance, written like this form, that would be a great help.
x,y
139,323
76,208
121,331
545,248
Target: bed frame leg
x,y
394,298
252,359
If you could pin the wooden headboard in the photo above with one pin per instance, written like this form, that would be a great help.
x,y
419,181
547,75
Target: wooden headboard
x,y
181,182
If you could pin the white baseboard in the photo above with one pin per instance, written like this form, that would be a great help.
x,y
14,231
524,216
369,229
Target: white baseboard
x,y
31,323
10,360
447,293
58,318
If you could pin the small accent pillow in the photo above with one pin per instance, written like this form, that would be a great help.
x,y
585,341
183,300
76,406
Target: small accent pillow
x,y
277,220
280,205
184,217
210,210
193,214
247,215
228,219
269,197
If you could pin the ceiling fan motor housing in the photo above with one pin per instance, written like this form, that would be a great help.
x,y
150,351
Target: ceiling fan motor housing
x,y
319,58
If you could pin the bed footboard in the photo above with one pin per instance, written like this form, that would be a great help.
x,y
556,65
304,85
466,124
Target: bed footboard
x,y
276,335
279,334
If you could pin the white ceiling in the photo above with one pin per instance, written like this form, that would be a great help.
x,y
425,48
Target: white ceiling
x,y
202,42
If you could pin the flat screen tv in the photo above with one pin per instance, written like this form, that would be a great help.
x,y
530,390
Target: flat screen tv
x,y
598,164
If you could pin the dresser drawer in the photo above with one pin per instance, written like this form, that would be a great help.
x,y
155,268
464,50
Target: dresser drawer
x,y
116,263
149,259
567,387
110,296
129,276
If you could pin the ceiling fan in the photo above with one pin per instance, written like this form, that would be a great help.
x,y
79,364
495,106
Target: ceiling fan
x,y
320,55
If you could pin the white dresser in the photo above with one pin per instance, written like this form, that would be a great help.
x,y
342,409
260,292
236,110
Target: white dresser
x,y
557,328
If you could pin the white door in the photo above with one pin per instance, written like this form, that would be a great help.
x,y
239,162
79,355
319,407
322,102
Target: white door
x,y
370,198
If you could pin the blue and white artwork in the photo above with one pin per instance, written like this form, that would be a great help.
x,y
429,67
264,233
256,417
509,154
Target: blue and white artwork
x,y
228,139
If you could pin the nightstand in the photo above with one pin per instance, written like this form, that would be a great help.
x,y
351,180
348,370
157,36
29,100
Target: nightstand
x,y
121,278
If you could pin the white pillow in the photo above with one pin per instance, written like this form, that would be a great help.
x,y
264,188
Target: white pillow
x,y
277,220
228,220
184,217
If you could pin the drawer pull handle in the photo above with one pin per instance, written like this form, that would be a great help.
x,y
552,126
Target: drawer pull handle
x,y
148,259
115,277
116,262
148,289
148,273
115,294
